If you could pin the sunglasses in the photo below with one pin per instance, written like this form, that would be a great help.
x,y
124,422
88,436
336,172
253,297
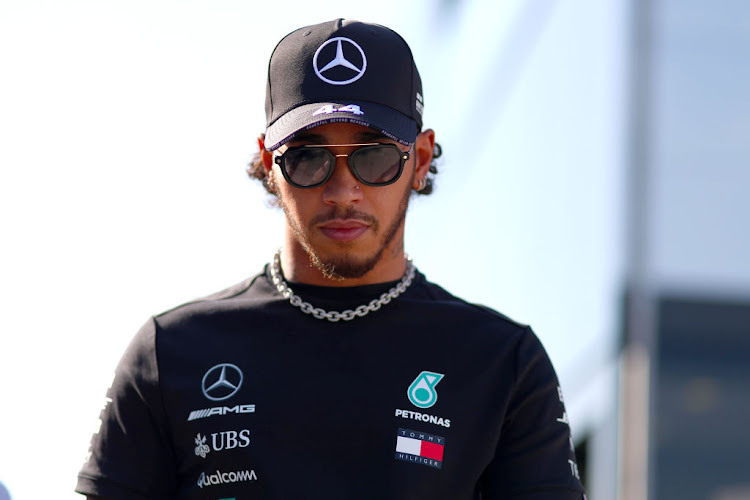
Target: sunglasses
x,y
373,164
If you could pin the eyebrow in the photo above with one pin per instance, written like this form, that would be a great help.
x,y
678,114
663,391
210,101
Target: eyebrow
x,y
361,137
370,136
309,138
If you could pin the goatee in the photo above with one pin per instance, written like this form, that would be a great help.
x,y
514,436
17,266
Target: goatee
x,y
345,265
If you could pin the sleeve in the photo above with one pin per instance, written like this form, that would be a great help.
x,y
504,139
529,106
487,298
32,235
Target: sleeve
x,y
535,458
131,456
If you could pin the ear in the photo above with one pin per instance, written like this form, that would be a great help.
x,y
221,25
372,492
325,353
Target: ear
x,y
423,148
266,157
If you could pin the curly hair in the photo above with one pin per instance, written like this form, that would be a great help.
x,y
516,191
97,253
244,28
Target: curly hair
x,y
256,171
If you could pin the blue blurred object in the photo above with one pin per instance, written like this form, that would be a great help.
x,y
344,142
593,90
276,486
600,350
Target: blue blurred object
x,y
4,495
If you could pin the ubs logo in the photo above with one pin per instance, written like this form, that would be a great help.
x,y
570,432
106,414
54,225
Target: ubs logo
x,y
348,55
224,440
222,382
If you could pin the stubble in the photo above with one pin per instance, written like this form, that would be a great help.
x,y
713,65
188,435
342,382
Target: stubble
x,y
344,265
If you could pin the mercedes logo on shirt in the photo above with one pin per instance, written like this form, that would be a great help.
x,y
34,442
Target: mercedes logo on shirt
x,y
222,382
345,57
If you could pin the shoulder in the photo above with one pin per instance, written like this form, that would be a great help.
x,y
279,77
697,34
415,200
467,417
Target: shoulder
x,y
463,324
251,291
445,303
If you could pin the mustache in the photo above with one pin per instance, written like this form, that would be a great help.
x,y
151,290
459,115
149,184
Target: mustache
x,y
349,213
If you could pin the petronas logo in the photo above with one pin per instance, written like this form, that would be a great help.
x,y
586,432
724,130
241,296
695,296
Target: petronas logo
x,y
422,391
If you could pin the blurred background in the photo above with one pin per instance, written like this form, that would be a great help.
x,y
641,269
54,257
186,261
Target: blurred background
x,y
594,185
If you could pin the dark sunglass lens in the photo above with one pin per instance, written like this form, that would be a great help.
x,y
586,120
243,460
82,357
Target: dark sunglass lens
x,y
377,164
307,167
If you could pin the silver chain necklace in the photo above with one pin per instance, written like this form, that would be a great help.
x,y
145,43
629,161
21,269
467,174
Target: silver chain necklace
x,y
349,314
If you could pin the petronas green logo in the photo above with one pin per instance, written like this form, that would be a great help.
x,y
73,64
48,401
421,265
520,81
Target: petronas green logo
x,y
422,392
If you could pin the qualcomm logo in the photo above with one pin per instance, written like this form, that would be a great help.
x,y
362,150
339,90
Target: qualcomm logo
x,y
219,477
340,60
222,382
422,392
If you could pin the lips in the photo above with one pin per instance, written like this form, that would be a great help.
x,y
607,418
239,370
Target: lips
x,y
344,230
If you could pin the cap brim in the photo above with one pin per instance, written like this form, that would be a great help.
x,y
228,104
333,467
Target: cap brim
x,y
385,120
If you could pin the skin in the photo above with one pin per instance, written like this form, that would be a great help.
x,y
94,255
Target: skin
x,y
345,233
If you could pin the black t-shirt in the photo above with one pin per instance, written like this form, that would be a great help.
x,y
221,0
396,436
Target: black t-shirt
x,y
243,396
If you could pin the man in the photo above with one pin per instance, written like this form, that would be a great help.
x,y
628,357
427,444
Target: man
x,y
338,372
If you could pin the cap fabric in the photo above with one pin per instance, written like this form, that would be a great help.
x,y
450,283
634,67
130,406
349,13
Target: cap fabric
x,y
343,71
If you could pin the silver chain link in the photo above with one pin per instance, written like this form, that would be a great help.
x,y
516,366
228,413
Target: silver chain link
x,y
348,314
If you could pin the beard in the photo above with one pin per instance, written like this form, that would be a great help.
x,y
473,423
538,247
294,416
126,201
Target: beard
x,y
345,265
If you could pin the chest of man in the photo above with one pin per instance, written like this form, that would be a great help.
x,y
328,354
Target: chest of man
x,y
279,411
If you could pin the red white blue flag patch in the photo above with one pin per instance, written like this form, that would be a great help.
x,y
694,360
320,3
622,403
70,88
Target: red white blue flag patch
x,y
420,448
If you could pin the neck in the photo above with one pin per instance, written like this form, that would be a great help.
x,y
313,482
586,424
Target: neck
x,y
297,266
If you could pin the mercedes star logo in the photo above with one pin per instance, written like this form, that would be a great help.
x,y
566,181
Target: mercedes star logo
x,y
340,60
222,382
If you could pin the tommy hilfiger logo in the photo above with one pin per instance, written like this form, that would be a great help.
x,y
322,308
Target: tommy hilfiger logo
x,y
422,392
420,447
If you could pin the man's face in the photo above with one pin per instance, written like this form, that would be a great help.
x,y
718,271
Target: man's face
x,y
345,227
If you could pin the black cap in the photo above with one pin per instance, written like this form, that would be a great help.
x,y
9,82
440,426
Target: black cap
x,y
343,71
